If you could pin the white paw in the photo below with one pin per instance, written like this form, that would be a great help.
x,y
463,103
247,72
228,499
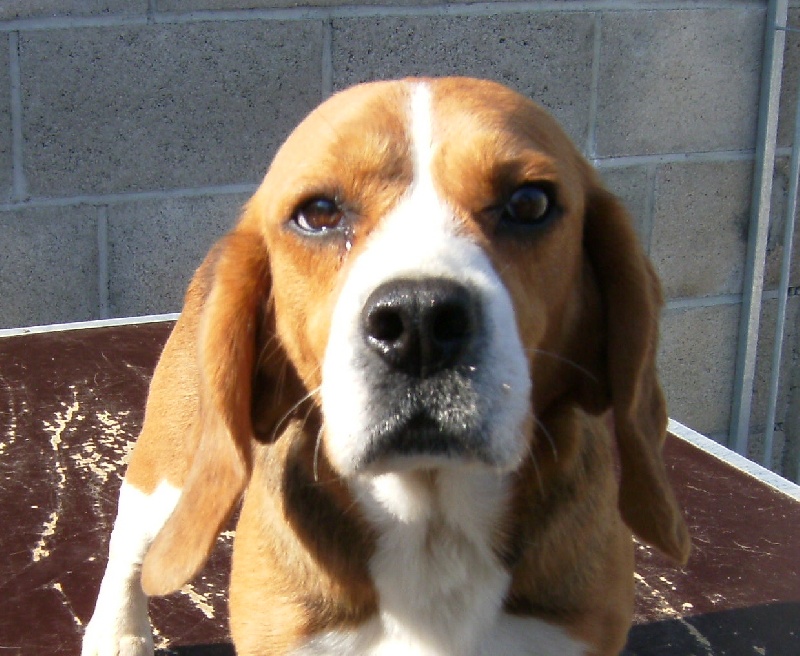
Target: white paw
x,y
120,625
101,639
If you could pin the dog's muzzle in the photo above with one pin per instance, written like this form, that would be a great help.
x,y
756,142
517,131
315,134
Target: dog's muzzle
x,y
422,349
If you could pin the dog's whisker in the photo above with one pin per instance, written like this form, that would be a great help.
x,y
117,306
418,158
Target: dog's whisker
x,y
566,361
537,471
269,348
281,379
316,453
279,424
549,437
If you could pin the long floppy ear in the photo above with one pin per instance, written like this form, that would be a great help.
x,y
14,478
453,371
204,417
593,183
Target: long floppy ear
x,y
233,289
632,298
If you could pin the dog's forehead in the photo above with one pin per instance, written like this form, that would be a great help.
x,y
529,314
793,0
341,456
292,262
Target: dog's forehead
x,y
369,132
363,127
484,107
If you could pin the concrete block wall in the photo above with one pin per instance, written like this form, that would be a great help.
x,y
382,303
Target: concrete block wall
x,y
131,132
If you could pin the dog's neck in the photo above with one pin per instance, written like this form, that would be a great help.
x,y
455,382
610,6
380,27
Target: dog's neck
x,y
440,582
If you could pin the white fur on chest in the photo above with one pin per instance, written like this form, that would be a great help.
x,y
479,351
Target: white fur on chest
x,y
440,585
439,581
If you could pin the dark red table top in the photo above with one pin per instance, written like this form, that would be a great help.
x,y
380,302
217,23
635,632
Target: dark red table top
x,y
71,403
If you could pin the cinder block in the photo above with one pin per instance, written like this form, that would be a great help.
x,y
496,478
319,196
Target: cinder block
x,y
48,266
6,174
631,184
546,56
11,9
163,106
155,246
679,81
697,360
700,224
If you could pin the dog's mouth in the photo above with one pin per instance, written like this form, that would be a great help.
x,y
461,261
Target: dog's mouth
x,y
425,435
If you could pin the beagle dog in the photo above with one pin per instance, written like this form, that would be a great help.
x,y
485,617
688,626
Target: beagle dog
x,y
425,360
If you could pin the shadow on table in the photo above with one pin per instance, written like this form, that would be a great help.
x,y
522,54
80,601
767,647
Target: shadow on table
x,y
770,630
220,649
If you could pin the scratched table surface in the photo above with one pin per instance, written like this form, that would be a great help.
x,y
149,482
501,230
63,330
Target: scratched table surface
x,y
71,404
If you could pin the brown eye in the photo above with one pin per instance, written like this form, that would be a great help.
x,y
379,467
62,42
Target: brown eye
x,y
318,215
529,205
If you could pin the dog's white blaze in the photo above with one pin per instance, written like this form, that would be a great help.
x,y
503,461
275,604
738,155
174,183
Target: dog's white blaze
x,y
422,136
120,623
439,581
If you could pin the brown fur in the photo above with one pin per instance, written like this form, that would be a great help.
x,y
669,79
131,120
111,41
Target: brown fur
x,y
232,406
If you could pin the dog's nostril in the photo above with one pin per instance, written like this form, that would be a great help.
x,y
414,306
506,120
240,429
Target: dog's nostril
x,y
385,325
450,323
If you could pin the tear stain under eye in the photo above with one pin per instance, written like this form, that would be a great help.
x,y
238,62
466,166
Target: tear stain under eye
x,y
349,235
348,246
343,244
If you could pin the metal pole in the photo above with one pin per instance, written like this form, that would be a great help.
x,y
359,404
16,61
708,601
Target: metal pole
x,y
774,42
783,286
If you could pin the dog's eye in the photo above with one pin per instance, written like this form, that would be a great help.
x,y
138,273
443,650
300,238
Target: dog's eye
x,y
529,205
318,215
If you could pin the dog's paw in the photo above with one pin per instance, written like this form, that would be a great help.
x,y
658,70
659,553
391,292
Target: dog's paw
x,y
110,637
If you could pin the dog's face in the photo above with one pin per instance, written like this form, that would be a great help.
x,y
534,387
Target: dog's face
x,y
426,249
435,270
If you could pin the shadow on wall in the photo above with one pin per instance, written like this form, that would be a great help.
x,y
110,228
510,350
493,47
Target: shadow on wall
x,y
769,630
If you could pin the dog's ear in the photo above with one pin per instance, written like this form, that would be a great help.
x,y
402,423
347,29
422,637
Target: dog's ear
x,y
223,316
631,296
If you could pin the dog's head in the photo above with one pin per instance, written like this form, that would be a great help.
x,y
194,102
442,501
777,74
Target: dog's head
x,y
432,265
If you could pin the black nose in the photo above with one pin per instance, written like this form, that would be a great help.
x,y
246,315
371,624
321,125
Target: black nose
x,y
420,327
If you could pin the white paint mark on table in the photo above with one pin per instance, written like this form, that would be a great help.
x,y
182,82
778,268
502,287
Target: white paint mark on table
x,y
56,429
60,590
668,610
108,451
200,601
